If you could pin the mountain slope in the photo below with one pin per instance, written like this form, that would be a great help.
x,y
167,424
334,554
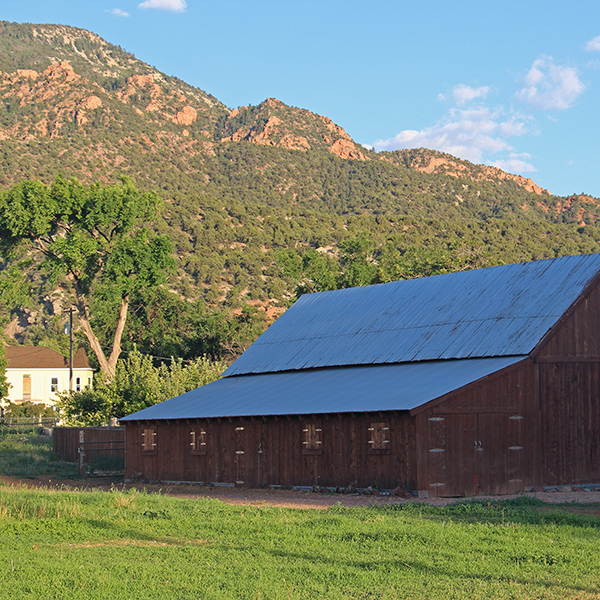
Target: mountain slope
x,y
244,186
75,104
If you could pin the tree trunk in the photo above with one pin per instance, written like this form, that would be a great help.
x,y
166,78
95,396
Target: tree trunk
x,y
116,347
107,365
94,343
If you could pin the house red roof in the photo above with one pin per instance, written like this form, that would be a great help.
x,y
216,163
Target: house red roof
x,y
40,357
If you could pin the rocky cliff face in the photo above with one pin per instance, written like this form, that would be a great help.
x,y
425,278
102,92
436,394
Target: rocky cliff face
x,y
147,109
273,123
431,161
47,103
102,108
581,208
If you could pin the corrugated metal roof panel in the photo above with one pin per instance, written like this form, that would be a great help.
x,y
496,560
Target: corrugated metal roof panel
x,y
498,311
321,391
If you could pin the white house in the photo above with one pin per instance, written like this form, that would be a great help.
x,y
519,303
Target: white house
x,y
37,374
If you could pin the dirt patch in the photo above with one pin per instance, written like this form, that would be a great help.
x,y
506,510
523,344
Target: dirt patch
x,y
126,543
294,498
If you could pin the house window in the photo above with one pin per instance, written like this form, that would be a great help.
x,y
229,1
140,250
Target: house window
x,y
54,384
312,438
198,441
26,387
149,440
77,384
379,438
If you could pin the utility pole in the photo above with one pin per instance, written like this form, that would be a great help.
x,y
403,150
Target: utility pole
x,y
71,349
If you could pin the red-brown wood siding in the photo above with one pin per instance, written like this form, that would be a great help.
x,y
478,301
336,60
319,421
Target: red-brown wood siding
x,y
97,440
569,395
577,335
570,399
479,440
269,451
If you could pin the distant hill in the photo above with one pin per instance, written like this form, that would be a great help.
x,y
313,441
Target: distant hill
x,y
74,103
244,185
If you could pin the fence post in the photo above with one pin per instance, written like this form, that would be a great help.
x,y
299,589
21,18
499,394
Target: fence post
x,y
81,450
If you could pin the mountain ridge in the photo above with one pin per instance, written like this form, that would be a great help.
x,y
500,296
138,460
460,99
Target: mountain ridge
x,y
260,201
79,54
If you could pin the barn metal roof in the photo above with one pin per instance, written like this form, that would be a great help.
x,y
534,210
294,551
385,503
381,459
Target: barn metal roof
x,y
326,391
496,311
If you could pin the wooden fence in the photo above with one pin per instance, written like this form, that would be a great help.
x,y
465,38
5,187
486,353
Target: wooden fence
x,y
90,445
28,424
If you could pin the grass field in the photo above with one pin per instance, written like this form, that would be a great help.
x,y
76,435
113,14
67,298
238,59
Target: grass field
x,y
73,544
23,453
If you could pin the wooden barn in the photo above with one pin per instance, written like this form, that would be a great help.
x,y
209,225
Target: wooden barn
x,y
483,381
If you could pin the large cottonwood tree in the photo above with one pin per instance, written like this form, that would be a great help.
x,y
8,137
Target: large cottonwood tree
x,y
96,240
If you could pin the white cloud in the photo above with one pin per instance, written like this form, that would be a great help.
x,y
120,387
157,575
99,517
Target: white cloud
x,y
118,12
174,5
465,93
515,163
469,133
551,87
593,45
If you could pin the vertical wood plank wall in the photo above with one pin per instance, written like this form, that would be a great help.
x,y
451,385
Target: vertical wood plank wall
x,y
569,374
535,423
269,451
479,440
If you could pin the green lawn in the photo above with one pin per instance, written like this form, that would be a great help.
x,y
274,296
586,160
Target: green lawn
x,y
69,544
81,544
23,453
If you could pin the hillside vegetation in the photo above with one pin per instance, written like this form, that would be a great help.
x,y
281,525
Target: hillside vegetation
x,y
261,202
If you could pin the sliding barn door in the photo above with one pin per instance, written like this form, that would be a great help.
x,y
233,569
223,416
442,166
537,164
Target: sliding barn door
x,y
471,454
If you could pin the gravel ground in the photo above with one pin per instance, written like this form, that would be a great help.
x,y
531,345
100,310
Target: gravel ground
x,y
297,499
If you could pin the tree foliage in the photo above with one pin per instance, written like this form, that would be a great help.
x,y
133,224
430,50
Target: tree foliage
x,y
3,382
137,384
364,261
94,240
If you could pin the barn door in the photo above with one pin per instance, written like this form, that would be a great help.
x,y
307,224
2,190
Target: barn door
x,y
462,455
436,456
490,468
516,468
500,467
471,454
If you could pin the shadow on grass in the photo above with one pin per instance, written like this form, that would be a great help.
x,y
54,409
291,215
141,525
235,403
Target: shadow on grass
x,y
427,571
31,456
518,511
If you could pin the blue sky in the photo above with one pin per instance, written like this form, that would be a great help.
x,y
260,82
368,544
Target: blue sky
x,y
511,84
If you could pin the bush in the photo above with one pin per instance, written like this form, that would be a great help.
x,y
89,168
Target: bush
x,y
29,410
137,384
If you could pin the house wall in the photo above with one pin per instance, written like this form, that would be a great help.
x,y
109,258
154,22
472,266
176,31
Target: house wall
x,y
481,439
272,451
41,383
568,364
